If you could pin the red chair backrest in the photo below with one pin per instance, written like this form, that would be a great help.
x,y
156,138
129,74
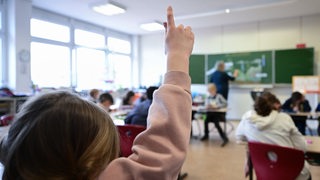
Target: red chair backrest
x,y
127,134
275,162
6,119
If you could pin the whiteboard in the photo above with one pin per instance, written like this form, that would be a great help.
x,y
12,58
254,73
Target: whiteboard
x,y
306,84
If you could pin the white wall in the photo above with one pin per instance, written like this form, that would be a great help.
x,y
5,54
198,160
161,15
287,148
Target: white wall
x,y
264,35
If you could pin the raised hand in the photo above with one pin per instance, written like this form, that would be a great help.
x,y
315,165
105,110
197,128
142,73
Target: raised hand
x,y
179,44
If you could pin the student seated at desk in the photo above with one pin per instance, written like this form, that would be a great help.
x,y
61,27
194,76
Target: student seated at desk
x,y
128,99
138,115
105,100
273,100
295,104
267,125
94,95
59,135
214,101
317,110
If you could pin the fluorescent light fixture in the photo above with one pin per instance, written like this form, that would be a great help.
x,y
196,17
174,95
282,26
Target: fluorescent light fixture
x,y
153,26
109,8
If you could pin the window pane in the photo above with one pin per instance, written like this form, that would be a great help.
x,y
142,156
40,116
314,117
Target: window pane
x,y
121,65
119,45
91,69
0,20
89,39
48,30
50,65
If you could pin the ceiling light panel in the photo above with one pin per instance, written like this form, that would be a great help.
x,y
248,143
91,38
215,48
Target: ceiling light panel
x,y
153,26
109,9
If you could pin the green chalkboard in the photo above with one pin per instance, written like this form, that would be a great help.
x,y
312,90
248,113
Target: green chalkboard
x,y
254,67
293,62
197,69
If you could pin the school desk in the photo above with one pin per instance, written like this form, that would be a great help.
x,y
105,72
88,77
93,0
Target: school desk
x,y
204,110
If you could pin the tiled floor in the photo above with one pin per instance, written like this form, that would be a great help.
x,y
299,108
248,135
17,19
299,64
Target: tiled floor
x,y
208,161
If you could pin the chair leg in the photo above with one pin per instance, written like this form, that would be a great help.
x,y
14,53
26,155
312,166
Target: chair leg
x,y
225,128
250,169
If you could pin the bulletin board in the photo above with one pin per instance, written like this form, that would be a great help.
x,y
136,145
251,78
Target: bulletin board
x,y
306,84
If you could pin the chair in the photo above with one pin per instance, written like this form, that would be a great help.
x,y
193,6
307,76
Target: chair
x,y
6,119
275,162
127,134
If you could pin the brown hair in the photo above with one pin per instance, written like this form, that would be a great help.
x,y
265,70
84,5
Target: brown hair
x,y
128,96
93,92
106,97
272,99
296,97
264,103
58,135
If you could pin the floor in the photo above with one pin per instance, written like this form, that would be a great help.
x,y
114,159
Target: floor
x,y
208,160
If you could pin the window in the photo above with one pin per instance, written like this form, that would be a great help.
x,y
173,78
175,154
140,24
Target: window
x,y
119,45
120,62
121,65
93,63
50,65
1,19
89,39
91,69
48,30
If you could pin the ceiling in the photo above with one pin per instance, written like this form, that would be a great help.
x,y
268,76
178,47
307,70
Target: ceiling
x,y
196,13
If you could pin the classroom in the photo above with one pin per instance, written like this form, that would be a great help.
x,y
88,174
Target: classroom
x,y
112,53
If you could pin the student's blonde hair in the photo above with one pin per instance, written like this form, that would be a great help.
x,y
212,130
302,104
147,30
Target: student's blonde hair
x,y
59,135
212,87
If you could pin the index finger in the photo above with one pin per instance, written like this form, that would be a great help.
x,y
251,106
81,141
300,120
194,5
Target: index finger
x,y
170,18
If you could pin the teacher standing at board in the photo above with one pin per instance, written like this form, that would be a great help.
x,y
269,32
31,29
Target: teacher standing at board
x,y
221,79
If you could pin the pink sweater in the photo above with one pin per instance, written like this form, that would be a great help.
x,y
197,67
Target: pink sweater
x,y
159,152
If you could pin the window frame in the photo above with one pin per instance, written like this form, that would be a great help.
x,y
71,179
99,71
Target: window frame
x,y
77,24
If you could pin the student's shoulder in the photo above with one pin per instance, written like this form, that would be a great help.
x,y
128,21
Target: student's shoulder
x,y
220,96
284,117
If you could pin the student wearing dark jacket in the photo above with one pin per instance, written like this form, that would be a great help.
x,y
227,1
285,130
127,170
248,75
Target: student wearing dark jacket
x,y
139,114
318,111
297,103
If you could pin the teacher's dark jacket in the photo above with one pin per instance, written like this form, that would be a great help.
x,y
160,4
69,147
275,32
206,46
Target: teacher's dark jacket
x,y
221,80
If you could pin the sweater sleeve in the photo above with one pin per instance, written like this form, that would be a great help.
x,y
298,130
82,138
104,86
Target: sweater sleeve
x,y
159,152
